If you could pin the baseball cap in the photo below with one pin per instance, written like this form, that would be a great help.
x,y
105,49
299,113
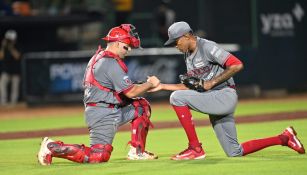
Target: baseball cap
x,y
10,35
177,30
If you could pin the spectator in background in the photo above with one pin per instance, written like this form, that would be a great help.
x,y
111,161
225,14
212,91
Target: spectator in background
x,y
22,8
10,57
165,16
123,9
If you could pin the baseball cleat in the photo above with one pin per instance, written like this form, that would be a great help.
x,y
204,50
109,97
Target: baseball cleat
x,y
293,142
44,155
191,153
146,155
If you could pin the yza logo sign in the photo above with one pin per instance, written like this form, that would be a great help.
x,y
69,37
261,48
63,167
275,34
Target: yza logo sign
x,y
281,24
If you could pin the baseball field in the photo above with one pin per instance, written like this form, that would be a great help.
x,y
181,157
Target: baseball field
x,y
21,131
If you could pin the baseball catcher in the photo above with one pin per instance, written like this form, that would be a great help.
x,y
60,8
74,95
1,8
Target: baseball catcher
x,y
111,99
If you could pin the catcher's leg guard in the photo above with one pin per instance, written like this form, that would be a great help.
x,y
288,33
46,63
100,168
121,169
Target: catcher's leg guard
x,y
80,153
100,153
140,124
72,152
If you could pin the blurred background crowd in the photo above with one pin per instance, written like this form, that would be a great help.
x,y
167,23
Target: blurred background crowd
x,y
270,36
77,24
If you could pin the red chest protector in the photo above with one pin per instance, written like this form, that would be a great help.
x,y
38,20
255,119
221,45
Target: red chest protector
x,y
90,80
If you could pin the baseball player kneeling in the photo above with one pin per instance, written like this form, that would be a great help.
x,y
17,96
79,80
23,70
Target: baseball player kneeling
x,y
208,87
111,100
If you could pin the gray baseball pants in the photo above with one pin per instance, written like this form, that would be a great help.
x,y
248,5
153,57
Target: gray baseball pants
x,y
220,106
103,122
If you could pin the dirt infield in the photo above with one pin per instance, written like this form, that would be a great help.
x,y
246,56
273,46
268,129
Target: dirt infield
x,y
22,111
158,125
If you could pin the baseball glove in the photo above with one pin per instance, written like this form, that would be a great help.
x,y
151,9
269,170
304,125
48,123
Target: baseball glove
x,y
193,83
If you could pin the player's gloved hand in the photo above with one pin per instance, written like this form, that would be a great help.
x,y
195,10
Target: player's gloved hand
x,y
193,83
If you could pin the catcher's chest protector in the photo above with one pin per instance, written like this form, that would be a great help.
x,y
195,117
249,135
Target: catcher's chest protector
x,y
90,80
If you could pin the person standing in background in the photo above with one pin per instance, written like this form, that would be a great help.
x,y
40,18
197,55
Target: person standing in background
x,y
123,9
11,71
165,16
22,8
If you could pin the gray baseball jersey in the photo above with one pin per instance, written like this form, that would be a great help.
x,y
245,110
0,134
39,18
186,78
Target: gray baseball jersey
x,y
207,62
110,75
103,121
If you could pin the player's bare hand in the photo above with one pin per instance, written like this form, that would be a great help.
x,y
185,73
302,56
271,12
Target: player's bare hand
x,y
158,88
153,80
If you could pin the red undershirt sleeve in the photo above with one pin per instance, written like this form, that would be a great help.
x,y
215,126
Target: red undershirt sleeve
x,y
232,60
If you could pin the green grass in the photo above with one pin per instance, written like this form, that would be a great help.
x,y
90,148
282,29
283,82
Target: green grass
x,y
18,156
159,114
271,107
30,124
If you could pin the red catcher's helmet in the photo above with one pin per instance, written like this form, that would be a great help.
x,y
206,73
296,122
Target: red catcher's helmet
x,y
124,33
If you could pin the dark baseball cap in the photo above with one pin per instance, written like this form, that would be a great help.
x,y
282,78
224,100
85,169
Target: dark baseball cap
x,y
177,30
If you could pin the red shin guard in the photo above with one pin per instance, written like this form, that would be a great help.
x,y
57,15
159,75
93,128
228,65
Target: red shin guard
x,y
80,153
100,153
140,124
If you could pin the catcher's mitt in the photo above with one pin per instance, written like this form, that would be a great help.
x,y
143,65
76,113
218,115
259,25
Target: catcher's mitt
x,y
193,83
